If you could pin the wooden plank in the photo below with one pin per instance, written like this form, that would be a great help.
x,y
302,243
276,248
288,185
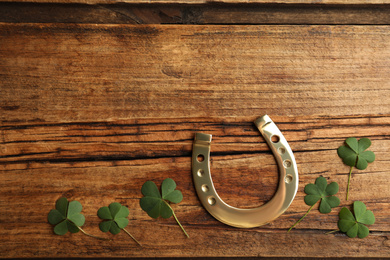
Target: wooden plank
x,y
83,13
295,14
238,154
195,14
91,112
77,72
330,2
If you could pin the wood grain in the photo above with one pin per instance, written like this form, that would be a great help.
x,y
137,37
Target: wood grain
x,y
91,112
195,14
337,2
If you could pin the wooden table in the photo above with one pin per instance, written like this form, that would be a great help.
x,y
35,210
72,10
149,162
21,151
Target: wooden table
x,y
97,99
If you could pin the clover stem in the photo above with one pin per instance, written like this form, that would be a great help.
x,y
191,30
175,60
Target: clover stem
x,y
349,180
177,219
127,232
301,218
330,232
85,233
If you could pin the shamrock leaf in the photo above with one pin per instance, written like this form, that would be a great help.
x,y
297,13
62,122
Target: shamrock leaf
x,y
323,191
67,217
156,204
354,154
354,225
115,216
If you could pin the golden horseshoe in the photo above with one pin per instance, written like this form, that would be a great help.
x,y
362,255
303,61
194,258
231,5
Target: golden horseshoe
x,y
254,217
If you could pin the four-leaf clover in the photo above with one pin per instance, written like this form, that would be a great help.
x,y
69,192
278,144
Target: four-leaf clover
x,y
324,192
115,216
354,155
320,191
353,225
156,204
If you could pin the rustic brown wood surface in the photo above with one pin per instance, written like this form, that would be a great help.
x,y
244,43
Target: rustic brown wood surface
x,y
195,14
329,2
91,112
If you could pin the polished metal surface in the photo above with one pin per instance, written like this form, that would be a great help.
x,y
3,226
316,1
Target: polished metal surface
x,y
254,217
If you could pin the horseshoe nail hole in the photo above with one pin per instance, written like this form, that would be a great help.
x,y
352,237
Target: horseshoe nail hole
x,y
288,178
281,150
200,158
287,163
200,173
205,188
211,201
275,139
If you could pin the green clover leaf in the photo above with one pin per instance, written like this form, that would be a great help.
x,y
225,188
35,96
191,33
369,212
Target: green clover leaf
x,y
67,217
156,204
323,191
115,216
354,225
354,154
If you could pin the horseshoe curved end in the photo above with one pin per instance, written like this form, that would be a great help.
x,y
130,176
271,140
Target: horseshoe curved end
x,y
254,217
